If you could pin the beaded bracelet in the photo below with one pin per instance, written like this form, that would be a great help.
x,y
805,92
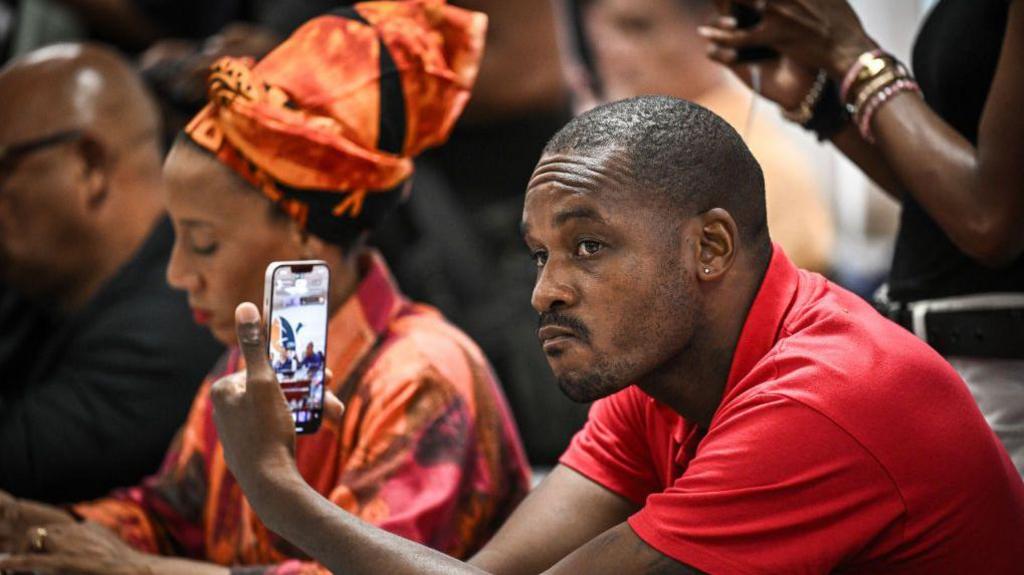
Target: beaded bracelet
x,y
829,114
805,110
854,72
861,94
879,98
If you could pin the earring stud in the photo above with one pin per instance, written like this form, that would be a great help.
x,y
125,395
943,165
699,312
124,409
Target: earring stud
x,y
707,270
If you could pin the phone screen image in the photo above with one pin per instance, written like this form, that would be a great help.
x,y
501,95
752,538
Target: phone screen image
x,y
297,342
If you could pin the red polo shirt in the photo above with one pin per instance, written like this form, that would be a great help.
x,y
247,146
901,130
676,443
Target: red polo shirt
x,y
842,443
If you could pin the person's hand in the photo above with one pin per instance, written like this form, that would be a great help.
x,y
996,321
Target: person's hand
x,y
815,34
252,417
80,548
782,80
17,516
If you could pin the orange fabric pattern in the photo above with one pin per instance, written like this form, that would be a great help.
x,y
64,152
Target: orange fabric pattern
x,y
427,448
308,115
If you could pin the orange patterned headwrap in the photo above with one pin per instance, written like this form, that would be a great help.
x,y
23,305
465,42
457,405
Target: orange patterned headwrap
x,y
327,124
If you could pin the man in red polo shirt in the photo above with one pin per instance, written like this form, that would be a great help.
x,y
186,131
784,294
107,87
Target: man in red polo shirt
x,y
750,417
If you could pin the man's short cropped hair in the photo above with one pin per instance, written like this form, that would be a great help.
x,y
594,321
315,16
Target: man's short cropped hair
x,y
679,151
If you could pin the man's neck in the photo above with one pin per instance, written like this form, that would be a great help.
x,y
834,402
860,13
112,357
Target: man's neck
x,y
693,383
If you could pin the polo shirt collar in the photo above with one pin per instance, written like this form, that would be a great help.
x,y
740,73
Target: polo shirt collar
x,y
363,319
765,319
760,333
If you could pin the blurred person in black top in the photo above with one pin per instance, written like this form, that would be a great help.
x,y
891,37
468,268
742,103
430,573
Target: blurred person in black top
x,y
99,358
947,142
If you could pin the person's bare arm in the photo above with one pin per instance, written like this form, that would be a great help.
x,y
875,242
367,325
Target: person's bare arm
x,y
869,159
569,522
975,194
562,514
562,528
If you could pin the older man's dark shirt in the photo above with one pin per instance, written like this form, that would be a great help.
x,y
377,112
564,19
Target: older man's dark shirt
x,y
90,401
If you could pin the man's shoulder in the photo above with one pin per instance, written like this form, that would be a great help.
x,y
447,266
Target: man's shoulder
x,y
833,333
894,395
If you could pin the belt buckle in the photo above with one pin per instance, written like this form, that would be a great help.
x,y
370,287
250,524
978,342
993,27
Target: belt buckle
x,y
918,322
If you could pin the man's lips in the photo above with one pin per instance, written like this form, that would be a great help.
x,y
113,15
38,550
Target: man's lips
x,y
553,336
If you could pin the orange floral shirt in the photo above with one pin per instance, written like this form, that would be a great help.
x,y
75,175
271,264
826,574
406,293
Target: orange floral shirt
x,y
427,448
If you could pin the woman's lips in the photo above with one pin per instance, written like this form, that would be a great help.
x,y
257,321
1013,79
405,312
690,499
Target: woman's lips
x,y
201,316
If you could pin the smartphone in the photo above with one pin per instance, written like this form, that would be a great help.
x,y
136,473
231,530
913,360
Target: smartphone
x,y
295,308
747,17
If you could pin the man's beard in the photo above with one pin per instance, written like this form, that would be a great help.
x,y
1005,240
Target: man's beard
x,y
604,379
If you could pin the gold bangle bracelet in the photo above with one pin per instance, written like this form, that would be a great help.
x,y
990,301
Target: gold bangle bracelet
x,y
864,93
890,67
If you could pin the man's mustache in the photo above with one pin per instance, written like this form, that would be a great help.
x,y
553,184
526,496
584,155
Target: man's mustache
x,y
564,320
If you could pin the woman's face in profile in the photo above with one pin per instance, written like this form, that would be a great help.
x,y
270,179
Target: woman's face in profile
x,y
226,233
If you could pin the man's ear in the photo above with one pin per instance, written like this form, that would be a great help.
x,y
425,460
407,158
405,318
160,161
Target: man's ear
x,y
95,171
717,250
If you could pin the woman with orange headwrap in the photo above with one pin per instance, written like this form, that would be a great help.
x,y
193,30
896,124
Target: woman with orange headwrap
x,y
325,127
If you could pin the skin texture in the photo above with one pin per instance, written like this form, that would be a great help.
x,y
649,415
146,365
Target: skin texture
x,y
72,213
973,193
599,244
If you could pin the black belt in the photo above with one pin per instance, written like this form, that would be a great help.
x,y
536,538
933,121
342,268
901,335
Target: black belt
x,y
972,326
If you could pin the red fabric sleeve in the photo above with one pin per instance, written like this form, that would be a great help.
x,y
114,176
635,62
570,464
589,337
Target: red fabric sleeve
x,y
611,449
775,487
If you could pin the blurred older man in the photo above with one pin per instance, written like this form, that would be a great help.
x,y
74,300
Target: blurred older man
x,y
99,359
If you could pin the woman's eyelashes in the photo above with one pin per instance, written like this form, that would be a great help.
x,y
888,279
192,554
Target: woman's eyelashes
x,y
202,243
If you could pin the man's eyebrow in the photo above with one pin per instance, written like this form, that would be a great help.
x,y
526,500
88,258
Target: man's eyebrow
x,y
578,213
563,216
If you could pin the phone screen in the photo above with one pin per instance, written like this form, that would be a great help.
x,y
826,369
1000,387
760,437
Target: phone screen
x,y
297,342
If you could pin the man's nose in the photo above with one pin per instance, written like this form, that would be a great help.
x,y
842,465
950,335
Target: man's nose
x,y
553,290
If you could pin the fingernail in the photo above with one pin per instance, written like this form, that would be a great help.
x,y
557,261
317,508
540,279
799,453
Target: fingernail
x,y
704,31
247,313
728,22
249,332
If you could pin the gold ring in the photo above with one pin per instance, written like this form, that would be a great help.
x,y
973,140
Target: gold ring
x,y
39,539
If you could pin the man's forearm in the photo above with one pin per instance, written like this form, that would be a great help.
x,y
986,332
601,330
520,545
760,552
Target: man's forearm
x,y
337,539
